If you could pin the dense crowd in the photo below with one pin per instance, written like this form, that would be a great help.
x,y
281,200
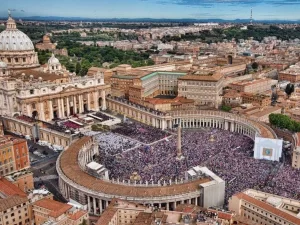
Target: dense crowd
x,y
111,144
141,132
229,155
103,116
202,216
158,162
286,183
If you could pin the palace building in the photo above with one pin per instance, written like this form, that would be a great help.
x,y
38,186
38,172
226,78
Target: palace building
x,y
263,208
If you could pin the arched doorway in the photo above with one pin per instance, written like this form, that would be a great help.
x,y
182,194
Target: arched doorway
x,y
85,107
71,110
35,114
55,116
100,100
16,115
229,59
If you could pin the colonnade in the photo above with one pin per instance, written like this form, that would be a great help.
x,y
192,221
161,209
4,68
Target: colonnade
x,y
202,119
220,123
96,204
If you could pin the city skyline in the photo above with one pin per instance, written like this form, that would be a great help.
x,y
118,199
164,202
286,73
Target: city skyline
x,y
157,9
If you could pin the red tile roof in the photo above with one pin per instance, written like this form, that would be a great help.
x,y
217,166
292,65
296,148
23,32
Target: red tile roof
x,y
56,208
269,208
9,189
77,215
11,201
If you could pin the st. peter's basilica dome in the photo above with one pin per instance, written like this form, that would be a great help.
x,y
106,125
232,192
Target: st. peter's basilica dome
x,y
16,48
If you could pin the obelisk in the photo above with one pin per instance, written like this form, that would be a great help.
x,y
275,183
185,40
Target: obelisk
x,y
179,151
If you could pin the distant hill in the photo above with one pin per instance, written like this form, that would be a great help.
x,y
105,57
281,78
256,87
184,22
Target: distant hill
x,y
162,20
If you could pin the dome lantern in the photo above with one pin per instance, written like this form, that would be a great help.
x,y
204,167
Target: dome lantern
x,y
11,24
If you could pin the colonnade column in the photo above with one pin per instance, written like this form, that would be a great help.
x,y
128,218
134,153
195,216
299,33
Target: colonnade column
x,y
42,114
100,206
75,104
89,204
50,110
62,107
103,100
59,108
94,205
88,101
96,104
68,106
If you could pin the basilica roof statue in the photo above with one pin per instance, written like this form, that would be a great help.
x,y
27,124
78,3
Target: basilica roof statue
x,y
16,48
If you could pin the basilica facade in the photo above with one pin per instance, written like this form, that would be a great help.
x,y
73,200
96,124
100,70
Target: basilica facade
x,y
42,92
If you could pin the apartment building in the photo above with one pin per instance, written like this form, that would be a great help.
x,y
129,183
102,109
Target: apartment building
x,y
121,212
54,212
14,155
203,89
267,209
14,205
257,99
254,86
7,159
292,74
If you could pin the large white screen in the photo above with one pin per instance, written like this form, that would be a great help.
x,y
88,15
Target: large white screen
x,y
266,148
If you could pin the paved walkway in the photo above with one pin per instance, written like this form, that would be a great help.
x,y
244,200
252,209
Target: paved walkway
x,y
47,177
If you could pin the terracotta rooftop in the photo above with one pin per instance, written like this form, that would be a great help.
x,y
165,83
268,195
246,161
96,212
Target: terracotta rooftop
x,y
77,215
266,111
107,216
69,166
36,74
213,78
252,82
8,189
269,208
11,202
56,208
143,219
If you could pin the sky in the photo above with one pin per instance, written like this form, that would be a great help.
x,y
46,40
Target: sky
x,y
173,9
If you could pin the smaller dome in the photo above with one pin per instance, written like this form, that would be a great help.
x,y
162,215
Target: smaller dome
x,y
53,60
3,65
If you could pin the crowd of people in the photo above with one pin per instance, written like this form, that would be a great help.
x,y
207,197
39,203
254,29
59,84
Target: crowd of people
x,y
141,132
285,183
103,116
227,154
112,144
203,216
158,162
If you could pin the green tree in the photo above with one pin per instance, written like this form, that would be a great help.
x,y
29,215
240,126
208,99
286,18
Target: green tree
x,y
78,68
225,108
290,88
284,122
